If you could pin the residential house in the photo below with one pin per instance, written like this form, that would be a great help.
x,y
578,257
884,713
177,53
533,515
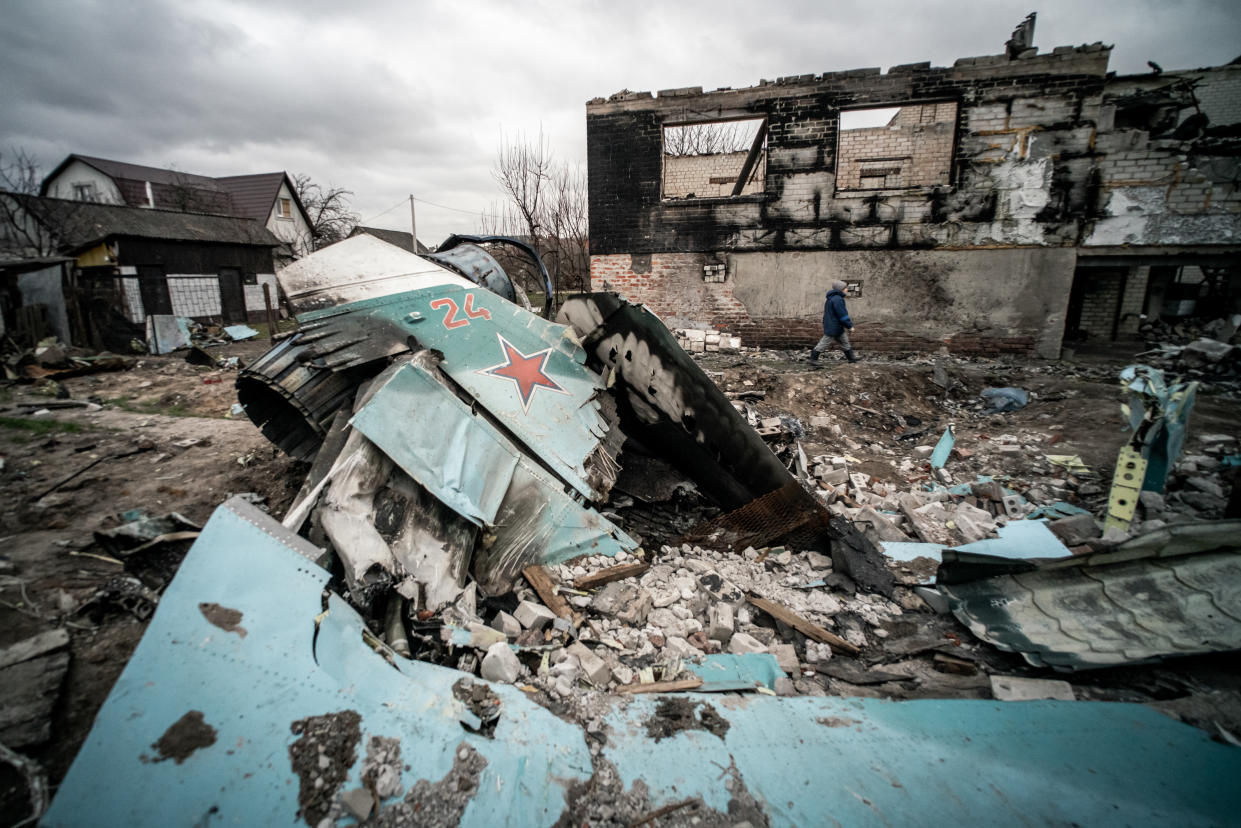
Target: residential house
x,y
131,262
998,205
400,238
268,198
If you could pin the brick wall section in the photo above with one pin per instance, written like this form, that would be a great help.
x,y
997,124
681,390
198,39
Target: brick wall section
x,y
671,285
1132,304
1100,298
917,144
800,207
709,176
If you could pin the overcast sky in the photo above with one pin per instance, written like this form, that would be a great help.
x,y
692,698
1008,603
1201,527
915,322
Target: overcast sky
x,y
400,96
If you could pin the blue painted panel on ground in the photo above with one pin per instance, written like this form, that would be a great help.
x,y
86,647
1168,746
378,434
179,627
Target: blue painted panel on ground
x,y
806,761
437,440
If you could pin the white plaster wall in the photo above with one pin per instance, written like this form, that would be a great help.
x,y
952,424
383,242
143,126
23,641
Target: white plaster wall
x,y
295,230
106,191
254,294
931,293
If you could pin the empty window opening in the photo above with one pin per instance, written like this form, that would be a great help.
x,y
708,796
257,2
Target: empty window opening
x,y
84,191
718,159
896,147
286,208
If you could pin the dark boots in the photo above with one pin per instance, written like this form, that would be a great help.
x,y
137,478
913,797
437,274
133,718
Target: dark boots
x,y
814,355
852,357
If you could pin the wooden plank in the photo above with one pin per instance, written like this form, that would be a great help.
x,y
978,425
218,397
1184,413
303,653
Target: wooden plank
x,y
662,686
612,573
545,585
806,628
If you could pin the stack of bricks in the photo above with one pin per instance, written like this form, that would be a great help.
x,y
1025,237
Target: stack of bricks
x,y
699,341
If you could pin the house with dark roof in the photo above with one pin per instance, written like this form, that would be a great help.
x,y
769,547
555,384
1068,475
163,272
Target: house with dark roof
x,y
127,263
267,198
400,238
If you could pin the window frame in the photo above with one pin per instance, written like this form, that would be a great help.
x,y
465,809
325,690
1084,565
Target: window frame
x,y
951,168
761,195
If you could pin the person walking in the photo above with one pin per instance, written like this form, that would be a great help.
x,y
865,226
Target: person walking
x,y
836,324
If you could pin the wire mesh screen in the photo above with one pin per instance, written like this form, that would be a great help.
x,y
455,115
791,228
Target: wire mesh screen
x,y
789,514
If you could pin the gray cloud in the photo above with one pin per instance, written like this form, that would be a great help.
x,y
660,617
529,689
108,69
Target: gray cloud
x,y
392,97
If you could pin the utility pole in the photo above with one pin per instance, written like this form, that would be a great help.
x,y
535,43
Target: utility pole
x,y
413,222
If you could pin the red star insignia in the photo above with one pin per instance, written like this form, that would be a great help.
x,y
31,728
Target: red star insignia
x,y
526,371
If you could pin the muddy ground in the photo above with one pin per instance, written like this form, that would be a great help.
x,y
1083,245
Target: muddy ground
x,y
185,453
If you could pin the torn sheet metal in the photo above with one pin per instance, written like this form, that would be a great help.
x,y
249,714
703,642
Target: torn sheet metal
x,y
523,370
463,460
1018,540
668,404
437,441
220,722
943,448
1168,593
167,333
735,673
1158,415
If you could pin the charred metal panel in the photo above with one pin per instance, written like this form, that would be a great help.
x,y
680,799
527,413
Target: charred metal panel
x,y
463,460
669,404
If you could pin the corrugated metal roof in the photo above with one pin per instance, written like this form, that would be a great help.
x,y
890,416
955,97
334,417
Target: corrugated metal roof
x,y
80,223
1175,591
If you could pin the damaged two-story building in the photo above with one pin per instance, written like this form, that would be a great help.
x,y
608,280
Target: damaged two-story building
x,y
1000,205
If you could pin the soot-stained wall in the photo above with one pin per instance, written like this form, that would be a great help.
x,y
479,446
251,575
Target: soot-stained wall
x,y
982,262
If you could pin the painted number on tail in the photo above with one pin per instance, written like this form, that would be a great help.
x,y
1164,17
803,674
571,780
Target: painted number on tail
x,y
451,319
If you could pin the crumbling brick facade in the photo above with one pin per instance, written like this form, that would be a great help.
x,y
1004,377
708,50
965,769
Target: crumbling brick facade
x,y
991,154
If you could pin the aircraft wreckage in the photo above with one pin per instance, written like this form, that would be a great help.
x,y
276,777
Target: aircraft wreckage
x,y
458,440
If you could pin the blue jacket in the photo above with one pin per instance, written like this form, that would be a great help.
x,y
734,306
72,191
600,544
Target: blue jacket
x,y
835,314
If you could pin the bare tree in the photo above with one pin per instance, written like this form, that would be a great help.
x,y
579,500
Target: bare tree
x,y
545,204
30,226
711,138
328,209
